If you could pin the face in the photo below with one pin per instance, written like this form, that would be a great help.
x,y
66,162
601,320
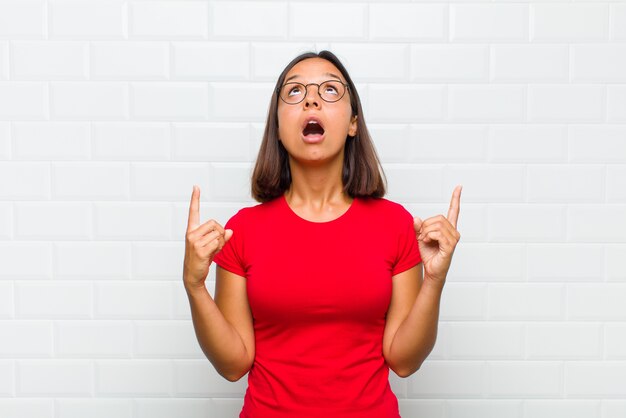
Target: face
x,y
335,118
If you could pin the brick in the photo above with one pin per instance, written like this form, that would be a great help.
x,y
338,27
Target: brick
x,y
569,22
123,60
559,341
554,408
230,181
616,103
449,63
225,102
7,378
406,103
22,100
616,184
25,260
521,379
526,144
5,140
211,61
352,28
131,141
6,220
51,141
477,341
486,183
527,223
50,60
447,144
615,267
615,341
402,181
166,339
268,59
445,379
77,260
618,17
169,20
165,408
7,308
90,180
180,302
595,302
198,378
157,181
493,103
529,63
26,339
212,142
601,144
97,19
603,63
4,60
613,408
48,378
23,19
53,300
565,183
99,100
374,62
133,300
595,379
484,262
561,262
226,407
171,100
489,22
565,103
391,142
89,339
160,260
489,408
94,408
132,221
139,378
530,302
34,180
399,21
596,223
463,302
240,20
27,408
53,220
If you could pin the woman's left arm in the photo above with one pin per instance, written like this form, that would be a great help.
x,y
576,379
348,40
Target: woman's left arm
x,y
411,328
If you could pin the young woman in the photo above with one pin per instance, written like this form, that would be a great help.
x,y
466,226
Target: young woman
x,y
324,285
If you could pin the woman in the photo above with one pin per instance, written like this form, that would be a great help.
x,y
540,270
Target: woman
x,y
319,289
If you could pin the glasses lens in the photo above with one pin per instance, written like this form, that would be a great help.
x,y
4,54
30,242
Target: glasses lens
x,y
331,91
292,92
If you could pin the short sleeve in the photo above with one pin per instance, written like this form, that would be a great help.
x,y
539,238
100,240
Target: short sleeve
x,y
408,254
231,255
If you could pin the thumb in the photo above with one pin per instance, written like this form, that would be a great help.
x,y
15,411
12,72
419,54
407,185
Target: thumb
x,y
227,234
417,224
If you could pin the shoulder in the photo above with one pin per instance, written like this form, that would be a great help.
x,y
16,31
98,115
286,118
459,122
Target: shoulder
x,y
258,212
386,207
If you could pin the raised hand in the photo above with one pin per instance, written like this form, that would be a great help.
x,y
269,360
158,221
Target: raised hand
x,y
437,238
202,242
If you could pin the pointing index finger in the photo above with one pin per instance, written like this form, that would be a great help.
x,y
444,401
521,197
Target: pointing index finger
x,y
194,209
455,206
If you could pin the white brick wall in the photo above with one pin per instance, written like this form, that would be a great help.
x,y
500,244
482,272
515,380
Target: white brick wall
x,y
110,110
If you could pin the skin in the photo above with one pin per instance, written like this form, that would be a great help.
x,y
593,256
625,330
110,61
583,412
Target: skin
x,y
224,325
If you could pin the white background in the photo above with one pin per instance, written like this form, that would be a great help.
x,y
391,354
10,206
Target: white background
x,y
111,110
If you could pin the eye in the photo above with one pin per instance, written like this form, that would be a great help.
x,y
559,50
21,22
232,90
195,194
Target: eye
x,y
294,90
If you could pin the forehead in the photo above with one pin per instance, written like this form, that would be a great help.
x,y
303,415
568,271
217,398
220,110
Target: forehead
x,y
313,69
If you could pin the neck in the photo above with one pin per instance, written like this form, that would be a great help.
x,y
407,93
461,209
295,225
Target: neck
x,y
316,185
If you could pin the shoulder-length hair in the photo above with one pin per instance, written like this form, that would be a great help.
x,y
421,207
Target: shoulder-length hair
x,y
362,173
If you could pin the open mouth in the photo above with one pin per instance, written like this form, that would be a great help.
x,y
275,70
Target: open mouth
x,y
312,129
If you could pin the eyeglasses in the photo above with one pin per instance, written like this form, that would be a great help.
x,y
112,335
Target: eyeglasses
x,y
330,91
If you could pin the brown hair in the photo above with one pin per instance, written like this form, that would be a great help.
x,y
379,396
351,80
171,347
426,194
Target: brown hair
x,y
362,173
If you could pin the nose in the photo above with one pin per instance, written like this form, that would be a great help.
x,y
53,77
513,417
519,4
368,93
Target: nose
x,y
312,97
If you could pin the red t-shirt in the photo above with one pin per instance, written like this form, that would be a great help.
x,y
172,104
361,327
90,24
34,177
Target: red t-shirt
x,y
319,294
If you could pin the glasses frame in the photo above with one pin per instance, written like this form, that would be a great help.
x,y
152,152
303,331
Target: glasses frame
x,y
306,91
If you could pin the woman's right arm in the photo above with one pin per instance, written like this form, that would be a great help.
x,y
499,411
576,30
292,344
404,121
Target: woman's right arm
x,y
223,326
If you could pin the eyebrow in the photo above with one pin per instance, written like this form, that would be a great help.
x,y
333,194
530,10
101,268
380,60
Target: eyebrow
x,y
328,74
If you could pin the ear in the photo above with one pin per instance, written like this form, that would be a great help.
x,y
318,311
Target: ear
x,y
353,126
